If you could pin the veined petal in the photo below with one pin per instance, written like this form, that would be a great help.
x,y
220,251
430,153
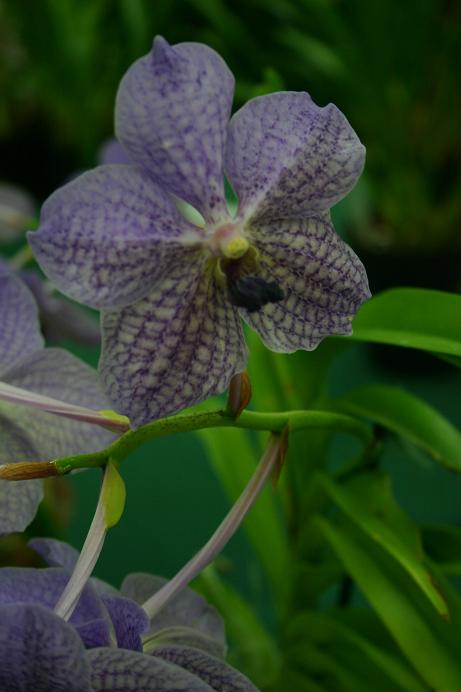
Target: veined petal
x,y
323,280
179,345
187,609
18,500
19,328
106,237
129,621
55,553
215,672
60,375
171,115
113,670
40,652
286,157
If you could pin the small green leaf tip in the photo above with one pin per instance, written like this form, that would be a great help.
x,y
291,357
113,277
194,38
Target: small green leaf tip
x,y
113,495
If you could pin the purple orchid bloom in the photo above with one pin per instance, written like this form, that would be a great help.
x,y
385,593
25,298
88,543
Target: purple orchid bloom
x,y
28,374
109,642
172,293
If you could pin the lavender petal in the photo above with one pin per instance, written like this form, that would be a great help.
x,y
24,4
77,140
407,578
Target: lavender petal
x,y
323,280
129,620
40,652
20,332
171,115
187,609
106,237
55,553
113,670
286,157
179,345
58,374
218,675
19,500
111,152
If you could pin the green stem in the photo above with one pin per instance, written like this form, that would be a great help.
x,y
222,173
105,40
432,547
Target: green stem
x,y
185,422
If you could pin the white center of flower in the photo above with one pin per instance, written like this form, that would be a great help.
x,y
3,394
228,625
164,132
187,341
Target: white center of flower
x,y
228,241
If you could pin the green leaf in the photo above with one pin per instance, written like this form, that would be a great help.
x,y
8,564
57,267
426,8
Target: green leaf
x,y
253,650
113,495
412,317
409,417
443,545
234,458
368,502
430,643
348,646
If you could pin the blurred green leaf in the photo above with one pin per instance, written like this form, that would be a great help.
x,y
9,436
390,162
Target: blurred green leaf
x,y
430,643
443,545
253,650
409,417
354,650
412,317
367,500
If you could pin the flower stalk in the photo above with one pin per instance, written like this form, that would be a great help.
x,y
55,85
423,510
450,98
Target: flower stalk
x,y
269,461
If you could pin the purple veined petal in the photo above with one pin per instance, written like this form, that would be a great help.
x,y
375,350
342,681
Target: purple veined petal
x,y
287,157
180,345
40,652
108,236
114,670
187,609
218,675
55,553
19,327
323,280
183,636
19,500
60,318
112,152
171,115
129,621
59,374
44,587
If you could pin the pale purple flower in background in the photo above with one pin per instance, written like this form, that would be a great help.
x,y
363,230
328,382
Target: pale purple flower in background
x,y
109,643
173,293
34,380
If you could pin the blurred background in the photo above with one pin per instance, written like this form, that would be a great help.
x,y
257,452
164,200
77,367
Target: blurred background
x,y
392,67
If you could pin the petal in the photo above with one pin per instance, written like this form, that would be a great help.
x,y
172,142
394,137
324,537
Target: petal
x,y
40,652
114,670
44,587
217,674
106,237
188,609
129,621
112,151
286,157
55,553
19,500
323,280
20,331
59,374
179,345
184,636
172,111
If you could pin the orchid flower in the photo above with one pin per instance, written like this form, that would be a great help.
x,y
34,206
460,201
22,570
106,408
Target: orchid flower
x,y
171,292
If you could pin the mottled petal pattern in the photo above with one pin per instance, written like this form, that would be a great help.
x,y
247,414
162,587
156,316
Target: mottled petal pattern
x,y
217,674
130,621
109,235
19,500
172,110
286,157
59,374
39,652
19,328
115,670
178,346
187,609
323,280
